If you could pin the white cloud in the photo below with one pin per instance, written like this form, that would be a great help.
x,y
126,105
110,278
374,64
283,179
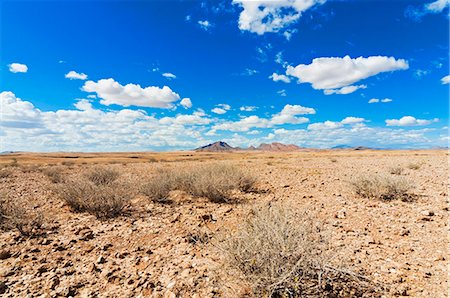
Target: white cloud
x,y
73,75
352,120
84,128
282,92
276,78
288,115
335,73
419,73
248,108
446,80
327,125
261,16
437,6
288,34
221,108
205,25
169,75
111,92
377,100
249,72
17,67
219,111
186,103
409,121
344,90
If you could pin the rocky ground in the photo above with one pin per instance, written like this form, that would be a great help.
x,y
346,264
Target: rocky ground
x,y
169,250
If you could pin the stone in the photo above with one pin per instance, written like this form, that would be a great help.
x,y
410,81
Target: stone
x,y
101,260
5,254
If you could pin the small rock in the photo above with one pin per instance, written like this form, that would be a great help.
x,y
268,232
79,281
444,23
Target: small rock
x,y
5,254
101,260
340,214
3,287
427,213
169,294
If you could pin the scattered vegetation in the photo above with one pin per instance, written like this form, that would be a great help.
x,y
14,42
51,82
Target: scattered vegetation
x,y
333,160
15,214
396,170
67,163
105,200
5,173
213,181
54,174
283,254
102,175
414,166
383,187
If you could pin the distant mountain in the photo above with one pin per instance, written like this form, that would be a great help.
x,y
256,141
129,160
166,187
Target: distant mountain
x,y
276,147
216,147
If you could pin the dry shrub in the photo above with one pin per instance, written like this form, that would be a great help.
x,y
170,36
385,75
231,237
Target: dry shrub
x,y
283,254
102,200
214,181
5,173
54,174
102,175
396,170
414,166
383,187
17,214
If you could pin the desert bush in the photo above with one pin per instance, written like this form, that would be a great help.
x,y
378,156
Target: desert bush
x,y
16,214
5,173
414,166
213,181
333,159
383,187
283,254
159,188
102,175
54,174
396,170
102,200
67,163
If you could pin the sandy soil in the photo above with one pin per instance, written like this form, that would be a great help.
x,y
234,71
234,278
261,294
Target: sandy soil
x,y
154,250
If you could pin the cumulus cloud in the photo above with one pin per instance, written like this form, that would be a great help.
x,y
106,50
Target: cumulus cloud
x,y
409,121
288,115
205,25
111,92
377,100
73,75
186,103
221,109
282,92
86,128
277,78
329,125
261,16
344,90
247,108
17,67
445,80
169,75
437,6
335,72
352,120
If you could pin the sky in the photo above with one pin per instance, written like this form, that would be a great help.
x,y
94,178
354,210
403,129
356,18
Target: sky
x,y
176,75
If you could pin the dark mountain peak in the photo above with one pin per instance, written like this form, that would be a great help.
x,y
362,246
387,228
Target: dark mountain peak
x,y
216,147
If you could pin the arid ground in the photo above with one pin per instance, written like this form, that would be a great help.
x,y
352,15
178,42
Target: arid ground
x,y
173,249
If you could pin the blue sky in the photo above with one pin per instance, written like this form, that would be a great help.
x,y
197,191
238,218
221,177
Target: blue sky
x,y
169,75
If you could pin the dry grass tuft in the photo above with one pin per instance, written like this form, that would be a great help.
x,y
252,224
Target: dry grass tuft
x,y
283,254
213,181
414,166
102,200
396,170
382,187
54,174
102,175
5,173
16,214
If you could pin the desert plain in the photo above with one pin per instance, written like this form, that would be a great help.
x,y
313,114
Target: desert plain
x,y
172,249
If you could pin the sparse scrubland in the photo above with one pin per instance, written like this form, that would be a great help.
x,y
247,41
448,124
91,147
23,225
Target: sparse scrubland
x,y
218,225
